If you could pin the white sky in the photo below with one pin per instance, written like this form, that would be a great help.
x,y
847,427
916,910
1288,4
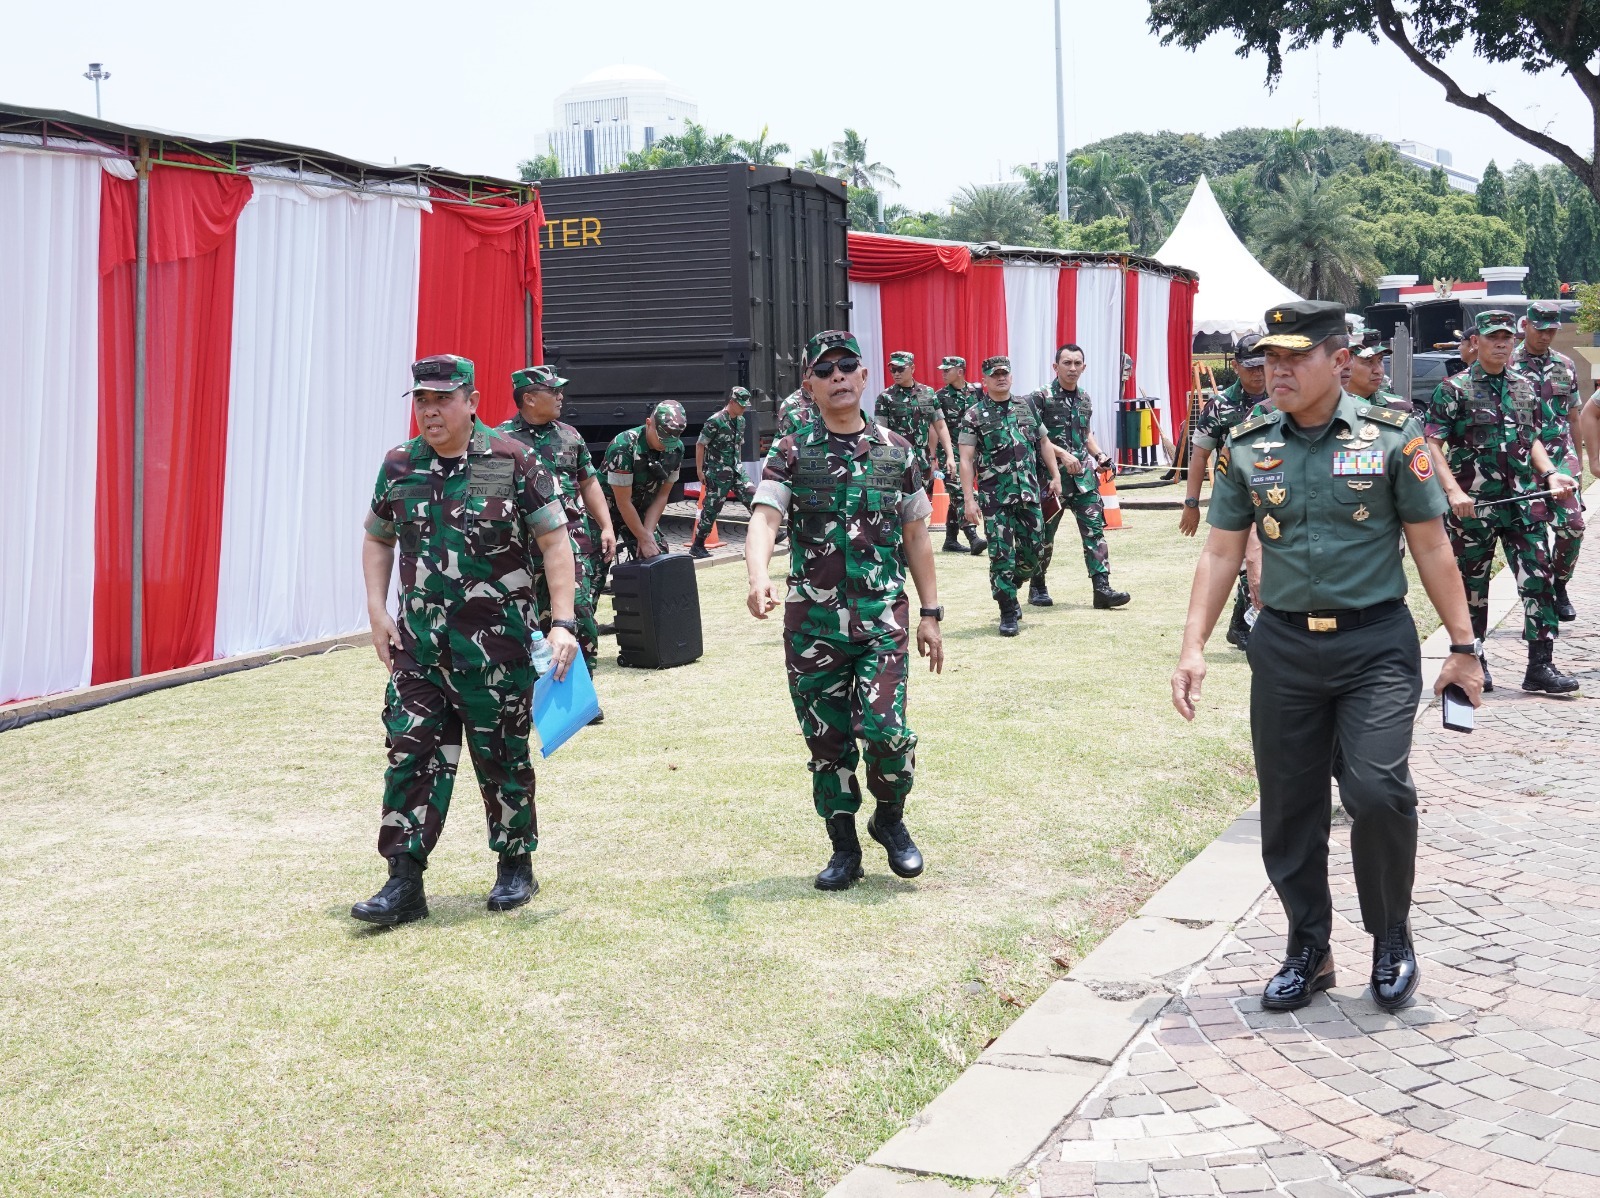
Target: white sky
x,y
946,93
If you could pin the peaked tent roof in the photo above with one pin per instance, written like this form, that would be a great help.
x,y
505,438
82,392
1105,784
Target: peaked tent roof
x,y
1235,290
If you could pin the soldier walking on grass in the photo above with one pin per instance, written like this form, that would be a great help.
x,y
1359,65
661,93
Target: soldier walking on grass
x,y
858,521
955,397
642,464
472,511
1555,381
718,465
1003,447
912,409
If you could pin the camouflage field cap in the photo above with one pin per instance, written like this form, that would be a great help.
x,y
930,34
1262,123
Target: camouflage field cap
x,y
1370,344
827,340
953,362
670,420
902,358
440,372
740,396
1544,315
1494,321
537,376
1248,351
1303,324
998,362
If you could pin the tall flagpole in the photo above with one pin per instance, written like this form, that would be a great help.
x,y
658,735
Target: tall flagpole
x,y
1061,126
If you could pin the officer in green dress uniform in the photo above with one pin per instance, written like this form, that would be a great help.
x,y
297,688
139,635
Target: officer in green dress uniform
x,y
1330,482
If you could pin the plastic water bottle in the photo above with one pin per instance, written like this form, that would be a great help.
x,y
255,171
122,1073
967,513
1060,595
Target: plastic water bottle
x,y
544,657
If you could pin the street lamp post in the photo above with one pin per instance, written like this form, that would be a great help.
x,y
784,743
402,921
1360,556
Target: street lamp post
x,y
1061,126
98,72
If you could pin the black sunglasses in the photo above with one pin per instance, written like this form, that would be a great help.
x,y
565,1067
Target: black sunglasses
x,y
825,369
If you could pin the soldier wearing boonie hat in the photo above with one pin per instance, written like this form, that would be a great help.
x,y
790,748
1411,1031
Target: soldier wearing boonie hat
x,y
1485,429
912,409
718,458
954,398
641,465
1003,447
473,513
1555,379
858,521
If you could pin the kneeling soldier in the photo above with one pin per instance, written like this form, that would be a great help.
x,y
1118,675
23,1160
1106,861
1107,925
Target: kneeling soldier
x,y
470,509
859,518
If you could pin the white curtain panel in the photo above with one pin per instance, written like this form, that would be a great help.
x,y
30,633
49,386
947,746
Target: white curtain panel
x,y
49,341
1100,334
866,322
1154,292
1031,322
324,330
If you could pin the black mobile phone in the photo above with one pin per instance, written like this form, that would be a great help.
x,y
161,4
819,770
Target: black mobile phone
x,y
1458,713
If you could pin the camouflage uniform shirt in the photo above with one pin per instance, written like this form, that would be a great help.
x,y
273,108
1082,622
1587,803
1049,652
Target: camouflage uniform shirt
x,y
1005,460
1555,380
467,529
630,462
1488,423
954,401
794,413
723,437
1066,415
1220,414
563,451
847,498
912,412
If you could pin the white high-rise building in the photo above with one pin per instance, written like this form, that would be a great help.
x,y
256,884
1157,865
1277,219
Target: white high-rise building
x,y
613,112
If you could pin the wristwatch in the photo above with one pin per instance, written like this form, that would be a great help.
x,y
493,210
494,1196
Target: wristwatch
x,y
1472,649
570,625
936,612
1191,503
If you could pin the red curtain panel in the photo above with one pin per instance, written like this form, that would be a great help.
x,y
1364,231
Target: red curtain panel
x,y
1067,306
985,323
1180,347
1130,331
876,258
478,265
189,309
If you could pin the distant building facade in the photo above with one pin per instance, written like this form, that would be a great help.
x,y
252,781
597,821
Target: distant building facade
x,y
1425,157
612,113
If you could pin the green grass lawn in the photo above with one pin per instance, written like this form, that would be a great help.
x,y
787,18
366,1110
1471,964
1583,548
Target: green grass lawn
x,y
187,1008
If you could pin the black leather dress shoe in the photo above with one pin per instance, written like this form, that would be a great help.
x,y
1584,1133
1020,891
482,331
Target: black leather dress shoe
x,y
514,883
844,867
1395,972
1296,983
888,827
401,900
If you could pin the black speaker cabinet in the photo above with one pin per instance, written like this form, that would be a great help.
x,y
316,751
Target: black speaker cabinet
x,y
657,602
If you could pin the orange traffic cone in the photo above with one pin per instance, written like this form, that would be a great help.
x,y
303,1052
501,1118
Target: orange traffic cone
x,y
1109,500
712,540
941,505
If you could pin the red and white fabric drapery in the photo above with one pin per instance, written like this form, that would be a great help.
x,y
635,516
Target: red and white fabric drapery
x,y
281,317
935,299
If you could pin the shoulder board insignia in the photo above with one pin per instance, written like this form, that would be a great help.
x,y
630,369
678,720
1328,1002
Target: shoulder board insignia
x,y
1388,416
1250,426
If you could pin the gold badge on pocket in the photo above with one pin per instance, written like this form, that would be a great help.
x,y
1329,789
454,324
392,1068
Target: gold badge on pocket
x,y
1360,514
1276,495
1272,528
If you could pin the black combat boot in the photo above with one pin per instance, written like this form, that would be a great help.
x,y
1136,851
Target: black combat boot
x,y
1104,596
514,883
1488,678
1542,674
1039,591
977,542
401,900
1298,979
952,538
1010,617
698,549
844,867
1239,626
1565,612
783,535
1480,630
888,827
1394,968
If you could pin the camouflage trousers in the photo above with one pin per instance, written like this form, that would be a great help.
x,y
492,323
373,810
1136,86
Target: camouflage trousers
x,y
850,698
585,550
721,486
1567,529
952,488
424,715
626,541
1523,540
1016,541
1090,512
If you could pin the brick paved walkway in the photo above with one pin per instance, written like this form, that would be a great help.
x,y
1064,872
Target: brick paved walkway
x,y
1489,1086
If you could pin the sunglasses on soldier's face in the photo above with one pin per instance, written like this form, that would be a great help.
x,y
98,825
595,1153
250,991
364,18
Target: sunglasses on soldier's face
x,y
825,369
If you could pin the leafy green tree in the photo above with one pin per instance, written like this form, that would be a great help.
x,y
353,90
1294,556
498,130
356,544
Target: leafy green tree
x,y
1536,35
848,156
1040,182
1147,208
1438,181
1589,308
995,212
1289,153
1492,191
1448,245
542,166
1108,235
1309,237
759,150
917,224
1095,185
1579,257
1240,199
1543,245
1526,188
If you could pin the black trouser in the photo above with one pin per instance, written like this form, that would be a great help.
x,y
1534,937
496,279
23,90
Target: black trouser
x,y
1311,692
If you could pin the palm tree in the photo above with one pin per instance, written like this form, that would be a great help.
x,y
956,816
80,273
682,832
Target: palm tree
x,y
1093,181
817,161
849,158
1289,152
698,147
542,166
1146,207
995,212
760,151
1309,237
1239,200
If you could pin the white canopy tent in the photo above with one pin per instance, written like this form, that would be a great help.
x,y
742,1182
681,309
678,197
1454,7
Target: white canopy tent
x,y
1234,290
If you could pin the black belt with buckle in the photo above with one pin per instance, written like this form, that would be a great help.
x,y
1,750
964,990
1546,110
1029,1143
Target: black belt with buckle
x,y
1337,621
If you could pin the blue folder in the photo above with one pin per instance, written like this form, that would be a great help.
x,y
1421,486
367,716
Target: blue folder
x,y
561,709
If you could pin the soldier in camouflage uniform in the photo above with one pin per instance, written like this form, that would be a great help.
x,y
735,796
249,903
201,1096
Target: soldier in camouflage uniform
x,y
1366,372
858,521
796,411
1003,445
1555,379
471,510
912,409
1483,427
955,397
641,466
538,392
1066,410
717,461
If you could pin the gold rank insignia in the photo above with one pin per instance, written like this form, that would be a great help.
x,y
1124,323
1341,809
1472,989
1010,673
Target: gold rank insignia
x,y
1360,514
1276,495
1272,528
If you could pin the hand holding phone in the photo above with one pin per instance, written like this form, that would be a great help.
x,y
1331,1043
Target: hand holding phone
x,y
1458,713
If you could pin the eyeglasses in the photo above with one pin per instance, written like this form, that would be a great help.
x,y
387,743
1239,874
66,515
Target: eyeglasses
x,y
825,369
